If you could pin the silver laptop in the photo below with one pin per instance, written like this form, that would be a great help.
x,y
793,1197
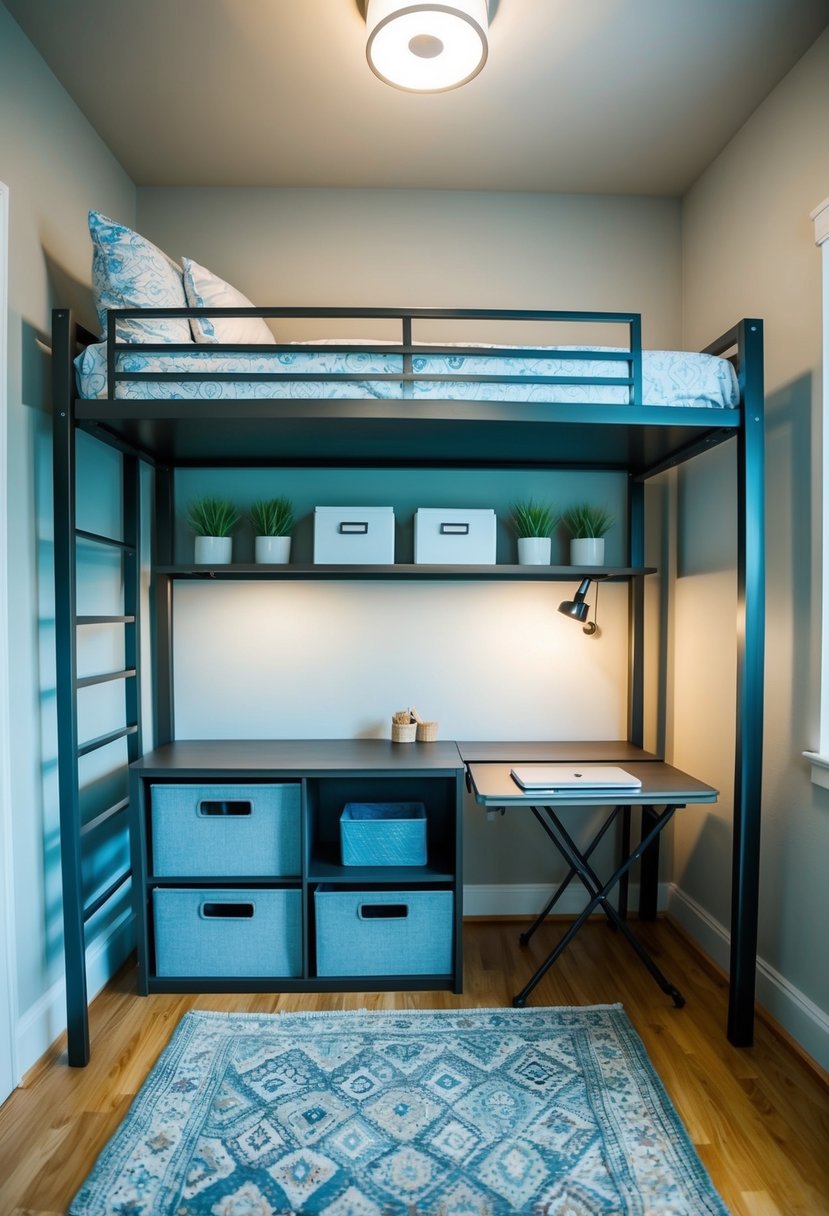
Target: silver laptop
x,y
566,777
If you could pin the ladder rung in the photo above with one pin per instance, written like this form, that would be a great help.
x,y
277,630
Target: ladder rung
x,y
98,539
104,620
87,681
97,902
92,745
110,813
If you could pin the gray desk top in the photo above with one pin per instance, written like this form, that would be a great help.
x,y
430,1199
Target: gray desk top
x,y
661,785
544,751
232,758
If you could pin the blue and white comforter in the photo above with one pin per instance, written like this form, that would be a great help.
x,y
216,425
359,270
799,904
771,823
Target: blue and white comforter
x,y
675,378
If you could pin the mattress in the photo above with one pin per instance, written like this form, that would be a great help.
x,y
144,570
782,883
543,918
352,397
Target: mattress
x,y
672,378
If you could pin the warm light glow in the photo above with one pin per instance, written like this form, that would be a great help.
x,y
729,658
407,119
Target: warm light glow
x,y
425,47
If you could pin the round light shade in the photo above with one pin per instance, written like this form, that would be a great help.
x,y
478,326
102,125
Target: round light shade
x,y
425,47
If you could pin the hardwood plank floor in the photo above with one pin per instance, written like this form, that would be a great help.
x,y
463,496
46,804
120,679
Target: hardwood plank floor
x,y
758,1116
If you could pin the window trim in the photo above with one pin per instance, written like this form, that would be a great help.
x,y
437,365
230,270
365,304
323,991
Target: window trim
x,y
819,759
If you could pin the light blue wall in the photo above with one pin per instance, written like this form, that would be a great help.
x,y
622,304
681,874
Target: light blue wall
x,y
56,167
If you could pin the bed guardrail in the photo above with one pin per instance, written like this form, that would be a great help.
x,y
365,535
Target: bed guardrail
x,y
629,353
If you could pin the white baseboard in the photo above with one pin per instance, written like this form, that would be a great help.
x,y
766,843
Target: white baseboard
x,y
526,899
805,1021
42,1022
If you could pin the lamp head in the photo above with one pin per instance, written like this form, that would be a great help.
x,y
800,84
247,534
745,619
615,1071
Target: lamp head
x,y
576,607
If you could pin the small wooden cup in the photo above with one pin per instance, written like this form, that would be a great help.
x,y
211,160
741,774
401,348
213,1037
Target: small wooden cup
x,y
427,732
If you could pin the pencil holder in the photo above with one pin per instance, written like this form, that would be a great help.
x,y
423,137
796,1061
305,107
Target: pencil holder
x,y
403,732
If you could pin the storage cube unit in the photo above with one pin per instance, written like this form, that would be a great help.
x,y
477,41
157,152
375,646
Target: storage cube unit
x,y
449,536
354,535
227,830
204,932
383,834
383,932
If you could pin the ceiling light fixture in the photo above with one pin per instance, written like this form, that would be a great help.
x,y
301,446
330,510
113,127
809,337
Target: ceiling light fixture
x,y
425,47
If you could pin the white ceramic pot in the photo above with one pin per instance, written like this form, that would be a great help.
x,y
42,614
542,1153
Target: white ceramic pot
x,y
534,550
214,550
587,551
273,550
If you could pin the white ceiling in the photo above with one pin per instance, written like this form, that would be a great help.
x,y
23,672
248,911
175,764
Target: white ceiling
x,y
593,96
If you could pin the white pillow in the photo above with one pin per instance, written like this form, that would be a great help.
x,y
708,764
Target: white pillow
x,y
207,290
128,271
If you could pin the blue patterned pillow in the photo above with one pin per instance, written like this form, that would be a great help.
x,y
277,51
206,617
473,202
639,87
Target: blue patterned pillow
x,y
128,271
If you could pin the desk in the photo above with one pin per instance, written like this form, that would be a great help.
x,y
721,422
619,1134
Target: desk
x,y
664,790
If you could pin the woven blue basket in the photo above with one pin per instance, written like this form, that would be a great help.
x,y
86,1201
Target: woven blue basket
x,y
383,834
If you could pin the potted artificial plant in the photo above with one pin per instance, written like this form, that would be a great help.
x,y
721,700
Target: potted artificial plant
x,y
272,520
213,521
533,523
587,525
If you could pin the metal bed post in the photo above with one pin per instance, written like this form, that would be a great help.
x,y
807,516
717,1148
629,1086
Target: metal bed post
x,y
748,768
162,600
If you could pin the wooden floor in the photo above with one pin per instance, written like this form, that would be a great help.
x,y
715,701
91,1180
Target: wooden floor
x,y
758,1116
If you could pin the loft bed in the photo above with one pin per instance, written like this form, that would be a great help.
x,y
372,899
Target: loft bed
x,y
348,402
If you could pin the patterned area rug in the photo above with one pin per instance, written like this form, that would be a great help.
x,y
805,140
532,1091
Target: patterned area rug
x,y
550,1112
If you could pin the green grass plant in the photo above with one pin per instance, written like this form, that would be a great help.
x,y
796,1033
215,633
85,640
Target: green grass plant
x,y
587,520
212,516
532,518
272,517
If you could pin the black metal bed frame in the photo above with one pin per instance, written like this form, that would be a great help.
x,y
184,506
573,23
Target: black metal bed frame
x,y
645,440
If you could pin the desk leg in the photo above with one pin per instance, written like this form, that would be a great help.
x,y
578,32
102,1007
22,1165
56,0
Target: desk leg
x,y
623,882
599,897
649,868
565,882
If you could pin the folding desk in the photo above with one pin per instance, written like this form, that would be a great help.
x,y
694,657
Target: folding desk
x,y
664,790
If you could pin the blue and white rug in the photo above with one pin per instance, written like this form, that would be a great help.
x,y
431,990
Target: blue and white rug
x,y
550,1112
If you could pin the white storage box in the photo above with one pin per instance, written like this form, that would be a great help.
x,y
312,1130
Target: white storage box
x,y
354,536
454,537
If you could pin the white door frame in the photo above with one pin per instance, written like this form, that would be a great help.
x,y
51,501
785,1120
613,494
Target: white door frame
x,y
9,1076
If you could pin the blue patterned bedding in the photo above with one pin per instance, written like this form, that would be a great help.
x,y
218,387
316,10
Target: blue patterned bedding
x,y
673,378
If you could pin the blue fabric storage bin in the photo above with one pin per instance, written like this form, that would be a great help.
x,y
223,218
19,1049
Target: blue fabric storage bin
x,y
383,932
383,834
205,931
226,831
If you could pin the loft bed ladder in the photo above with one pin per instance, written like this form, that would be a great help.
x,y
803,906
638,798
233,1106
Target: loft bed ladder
x,y
77,833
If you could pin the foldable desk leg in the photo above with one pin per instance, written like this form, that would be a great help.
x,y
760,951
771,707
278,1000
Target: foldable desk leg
x,y
577,860
563,885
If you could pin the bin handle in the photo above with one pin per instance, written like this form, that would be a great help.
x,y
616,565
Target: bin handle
x,y
383,911
350,527
230,808
227,911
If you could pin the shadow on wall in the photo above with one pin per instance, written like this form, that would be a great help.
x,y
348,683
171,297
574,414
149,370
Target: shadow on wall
x,y
36,346
65,291
789,544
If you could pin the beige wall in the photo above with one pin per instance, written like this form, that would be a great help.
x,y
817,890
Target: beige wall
x,y
748,249
408,248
